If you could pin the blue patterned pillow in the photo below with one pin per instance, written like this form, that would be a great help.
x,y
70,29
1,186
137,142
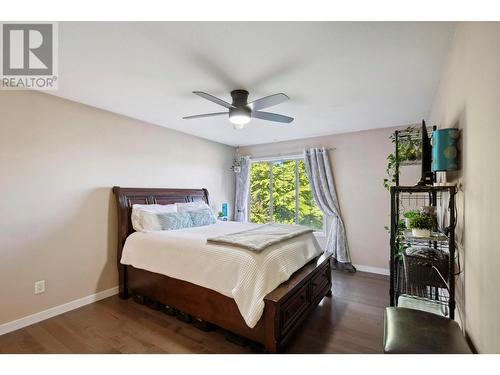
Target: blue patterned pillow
x,y
174,220
202,217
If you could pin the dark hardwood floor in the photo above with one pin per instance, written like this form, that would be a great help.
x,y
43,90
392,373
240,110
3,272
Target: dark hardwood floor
x,y
349,322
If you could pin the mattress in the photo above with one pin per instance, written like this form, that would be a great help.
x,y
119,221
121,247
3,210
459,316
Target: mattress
x,y
237,273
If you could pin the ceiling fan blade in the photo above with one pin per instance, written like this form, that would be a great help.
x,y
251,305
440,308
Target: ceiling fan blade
x,y
268,101
272,117
205,115
213,99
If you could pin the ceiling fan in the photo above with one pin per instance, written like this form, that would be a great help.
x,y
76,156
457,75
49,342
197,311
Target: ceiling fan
x,y
240,111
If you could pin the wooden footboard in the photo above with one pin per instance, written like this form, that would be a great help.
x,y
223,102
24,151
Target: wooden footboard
x,y
290,304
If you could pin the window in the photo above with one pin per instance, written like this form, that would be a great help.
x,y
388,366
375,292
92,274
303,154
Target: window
x,y
280,192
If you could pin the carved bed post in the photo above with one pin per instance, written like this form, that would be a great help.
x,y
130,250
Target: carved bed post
x,y
122,235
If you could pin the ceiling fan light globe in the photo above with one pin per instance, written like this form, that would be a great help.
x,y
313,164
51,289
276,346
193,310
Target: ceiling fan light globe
x,y
239,117
238,126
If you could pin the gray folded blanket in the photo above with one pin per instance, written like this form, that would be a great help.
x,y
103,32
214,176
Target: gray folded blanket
x,y
259,238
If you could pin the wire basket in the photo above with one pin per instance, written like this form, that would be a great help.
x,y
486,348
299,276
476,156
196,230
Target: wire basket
x,y
421,266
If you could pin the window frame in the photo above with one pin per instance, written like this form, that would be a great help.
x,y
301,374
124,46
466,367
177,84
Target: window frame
x,y
295,157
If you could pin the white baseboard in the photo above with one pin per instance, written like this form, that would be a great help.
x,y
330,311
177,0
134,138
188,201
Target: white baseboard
x,y
377,270
53,311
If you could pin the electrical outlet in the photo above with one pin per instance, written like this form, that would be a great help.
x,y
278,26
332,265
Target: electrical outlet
x,y
39,286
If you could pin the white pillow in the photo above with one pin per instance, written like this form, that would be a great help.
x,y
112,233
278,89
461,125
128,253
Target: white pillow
x,y
192,206
144,216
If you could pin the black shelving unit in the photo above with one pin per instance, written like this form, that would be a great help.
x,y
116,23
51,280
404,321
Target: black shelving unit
x,y
412,134
429,283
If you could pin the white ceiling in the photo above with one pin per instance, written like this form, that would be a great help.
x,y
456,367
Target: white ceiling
x,y
340,77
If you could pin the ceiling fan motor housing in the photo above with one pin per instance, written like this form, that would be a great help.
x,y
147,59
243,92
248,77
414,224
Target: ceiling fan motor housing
x,y
241,114
240,98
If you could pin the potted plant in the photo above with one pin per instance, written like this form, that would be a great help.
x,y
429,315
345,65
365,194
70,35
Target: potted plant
x,y
409,149
408,215
421,225
220,215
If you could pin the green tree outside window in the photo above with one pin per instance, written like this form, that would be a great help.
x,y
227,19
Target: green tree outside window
x,y
281,189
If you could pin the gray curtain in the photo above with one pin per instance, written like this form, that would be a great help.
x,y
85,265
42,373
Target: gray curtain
x,y
242,190
320,176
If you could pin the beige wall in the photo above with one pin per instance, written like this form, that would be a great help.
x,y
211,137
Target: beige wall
x,y
469,98
359,163
58,162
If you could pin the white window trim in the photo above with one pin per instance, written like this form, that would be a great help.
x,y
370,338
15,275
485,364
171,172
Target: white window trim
x,y
317,233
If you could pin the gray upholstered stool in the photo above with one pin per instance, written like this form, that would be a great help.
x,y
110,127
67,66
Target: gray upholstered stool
x,y
408,331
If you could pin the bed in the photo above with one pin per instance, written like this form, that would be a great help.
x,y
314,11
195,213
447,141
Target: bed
x,y
272,324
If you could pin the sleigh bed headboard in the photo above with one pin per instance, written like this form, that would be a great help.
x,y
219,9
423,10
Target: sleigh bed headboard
x,y
126,197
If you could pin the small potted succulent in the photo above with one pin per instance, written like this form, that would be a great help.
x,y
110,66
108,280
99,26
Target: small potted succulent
x,y
421,225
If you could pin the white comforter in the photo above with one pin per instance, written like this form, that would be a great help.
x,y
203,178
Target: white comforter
x,y
237,273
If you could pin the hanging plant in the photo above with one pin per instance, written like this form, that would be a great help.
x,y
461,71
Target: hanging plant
x,y
236,167
409,150
399,242
392,171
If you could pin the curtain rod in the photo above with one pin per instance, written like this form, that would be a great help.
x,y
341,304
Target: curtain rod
x,y
288,154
